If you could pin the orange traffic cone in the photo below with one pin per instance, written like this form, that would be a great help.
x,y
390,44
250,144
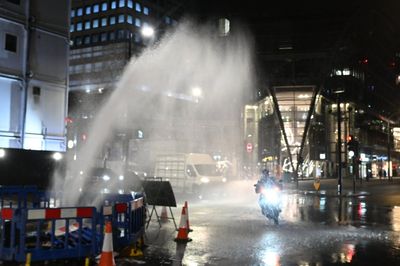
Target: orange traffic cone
x,y
183,231
106,257
187,217
164,215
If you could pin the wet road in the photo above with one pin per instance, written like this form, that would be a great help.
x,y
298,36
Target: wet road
x,y
315,229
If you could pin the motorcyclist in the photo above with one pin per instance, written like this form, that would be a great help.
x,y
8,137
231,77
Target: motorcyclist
x,y
266,180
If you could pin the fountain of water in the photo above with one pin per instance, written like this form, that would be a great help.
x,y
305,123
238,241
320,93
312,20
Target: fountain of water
x,y
160,79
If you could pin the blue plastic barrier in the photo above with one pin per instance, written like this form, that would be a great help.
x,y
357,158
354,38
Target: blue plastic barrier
x,y
41,234
61,233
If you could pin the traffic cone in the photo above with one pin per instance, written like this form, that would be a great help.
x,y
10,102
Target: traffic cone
x,y
183,230
106,257
187,217
164,215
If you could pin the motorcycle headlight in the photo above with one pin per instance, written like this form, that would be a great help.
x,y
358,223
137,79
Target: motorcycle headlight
x,y
271,195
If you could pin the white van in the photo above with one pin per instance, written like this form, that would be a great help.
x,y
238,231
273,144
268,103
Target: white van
x,y
188,172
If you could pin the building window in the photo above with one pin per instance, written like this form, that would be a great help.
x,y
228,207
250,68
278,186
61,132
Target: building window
x,y
78,41
121,18
72,13
113,4
72,28
79,26
145,10
130,3
121,34
104,6
79,12
112,36
112,20
121,3
104,22
96,8
129,19
103,37
11,43
88,10
87,25
138,22
95,38
86,39
138,8
95,23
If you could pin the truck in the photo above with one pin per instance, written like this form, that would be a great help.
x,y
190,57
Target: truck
x,y
189,172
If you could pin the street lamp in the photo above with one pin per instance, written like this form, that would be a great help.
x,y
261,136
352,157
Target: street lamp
x,y
339,140
147,31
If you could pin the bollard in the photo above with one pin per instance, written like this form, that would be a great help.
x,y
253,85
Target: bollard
x,y
87,262
28,259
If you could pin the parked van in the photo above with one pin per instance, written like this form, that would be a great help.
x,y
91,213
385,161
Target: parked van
x,y
190,172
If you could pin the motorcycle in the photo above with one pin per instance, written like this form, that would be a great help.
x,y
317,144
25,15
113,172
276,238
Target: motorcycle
x,y
269,200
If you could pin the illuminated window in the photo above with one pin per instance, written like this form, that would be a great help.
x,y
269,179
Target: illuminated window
x,y
121,18
138,8
112,20
79,26
130,3
113,4
87,25
138,22
346,72
121,3
72,13
104,22
96,8
145,10
88,10
95,23
104,6
71,29
79,12
129,19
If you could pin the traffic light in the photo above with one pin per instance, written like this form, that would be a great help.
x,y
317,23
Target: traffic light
x,y
352,145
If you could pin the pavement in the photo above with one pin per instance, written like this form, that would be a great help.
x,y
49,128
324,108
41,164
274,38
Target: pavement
x,y
350,188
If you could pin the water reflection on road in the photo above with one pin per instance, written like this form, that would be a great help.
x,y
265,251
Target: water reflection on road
x,y
315,229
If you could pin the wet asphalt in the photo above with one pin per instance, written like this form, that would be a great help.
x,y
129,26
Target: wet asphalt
x,y
360,227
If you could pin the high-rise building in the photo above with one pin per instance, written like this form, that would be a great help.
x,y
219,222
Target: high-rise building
x,y
105,34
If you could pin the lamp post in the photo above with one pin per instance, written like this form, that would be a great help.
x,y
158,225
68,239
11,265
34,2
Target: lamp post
x,y
147,32
339,140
